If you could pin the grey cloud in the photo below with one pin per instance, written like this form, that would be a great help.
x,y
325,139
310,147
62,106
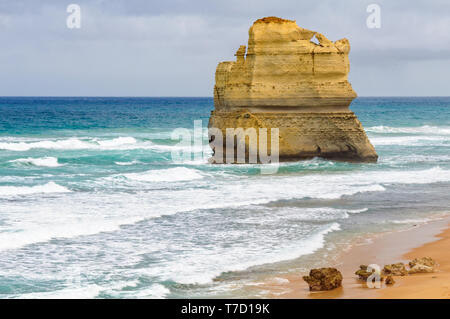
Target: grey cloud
x,y
151,48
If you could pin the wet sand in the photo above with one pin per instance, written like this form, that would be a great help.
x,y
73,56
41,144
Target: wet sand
x,y
428,240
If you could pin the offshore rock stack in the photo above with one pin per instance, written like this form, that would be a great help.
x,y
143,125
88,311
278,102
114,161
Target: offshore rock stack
x,y
284,80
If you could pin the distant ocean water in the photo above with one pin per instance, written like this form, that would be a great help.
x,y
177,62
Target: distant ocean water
x,y
92,205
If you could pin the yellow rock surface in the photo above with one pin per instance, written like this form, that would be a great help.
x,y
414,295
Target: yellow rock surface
x,y
284,80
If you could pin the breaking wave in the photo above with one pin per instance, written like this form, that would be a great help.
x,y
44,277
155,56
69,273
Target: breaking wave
x,y
119,143
42,161
426,129
166,175
410,140
127,163
50,187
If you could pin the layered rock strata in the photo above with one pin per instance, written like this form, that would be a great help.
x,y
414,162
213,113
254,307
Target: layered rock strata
x,y
284,80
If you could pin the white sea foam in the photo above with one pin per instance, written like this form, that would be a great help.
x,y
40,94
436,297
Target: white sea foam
x,y
79,214
426,129
412,136
409,140
41,161
75,143
318,213
428,176
279,281
15,179
304,214
50,187
127,163
83,292
155,291
357,211
57,220
166,175
119,143
209,262
412,221
126,208
414,158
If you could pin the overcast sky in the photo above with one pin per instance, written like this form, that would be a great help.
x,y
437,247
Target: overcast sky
x,y
172,47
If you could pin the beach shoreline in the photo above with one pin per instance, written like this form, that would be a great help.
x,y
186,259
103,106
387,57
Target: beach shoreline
x,y
431,239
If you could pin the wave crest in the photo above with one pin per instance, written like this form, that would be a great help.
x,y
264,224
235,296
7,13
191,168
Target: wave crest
x,y
50,187
41,161
166,175
426,129
120,143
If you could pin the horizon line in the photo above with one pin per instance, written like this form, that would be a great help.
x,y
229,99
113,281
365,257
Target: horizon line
x,y
179,96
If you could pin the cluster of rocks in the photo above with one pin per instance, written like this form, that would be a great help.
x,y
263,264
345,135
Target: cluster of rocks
x,y
330,278
416,266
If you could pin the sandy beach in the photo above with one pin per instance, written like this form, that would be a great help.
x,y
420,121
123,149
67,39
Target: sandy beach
x,y
430,240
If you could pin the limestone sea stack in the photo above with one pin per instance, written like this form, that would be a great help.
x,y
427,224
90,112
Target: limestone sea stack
x,y
284,80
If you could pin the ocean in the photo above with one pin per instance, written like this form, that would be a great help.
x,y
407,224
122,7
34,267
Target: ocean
x,y
92,204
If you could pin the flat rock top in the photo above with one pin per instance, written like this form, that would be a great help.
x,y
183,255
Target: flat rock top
x,y
273,20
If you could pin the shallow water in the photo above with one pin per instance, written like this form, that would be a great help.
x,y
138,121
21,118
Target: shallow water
x,y
92,204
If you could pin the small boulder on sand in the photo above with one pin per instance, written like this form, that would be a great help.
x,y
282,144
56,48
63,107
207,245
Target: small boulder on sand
x,y
323,279
422,265
363,273
398,269
390,280
426,261
420,269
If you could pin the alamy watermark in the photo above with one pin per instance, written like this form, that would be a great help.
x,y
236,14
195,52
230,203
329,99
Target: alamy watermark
x,y
230,146
373,21
374,280
73,21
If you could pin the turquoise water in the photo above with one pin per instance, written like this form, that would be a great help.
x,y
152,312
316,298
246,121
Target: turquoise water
x,y
92,204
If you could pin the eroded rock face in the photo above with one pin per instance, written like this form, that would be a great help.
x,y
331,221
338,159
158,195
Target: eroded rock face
x,y
323,279
363,273
426,261
398,269
422,265
284,80
420,269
